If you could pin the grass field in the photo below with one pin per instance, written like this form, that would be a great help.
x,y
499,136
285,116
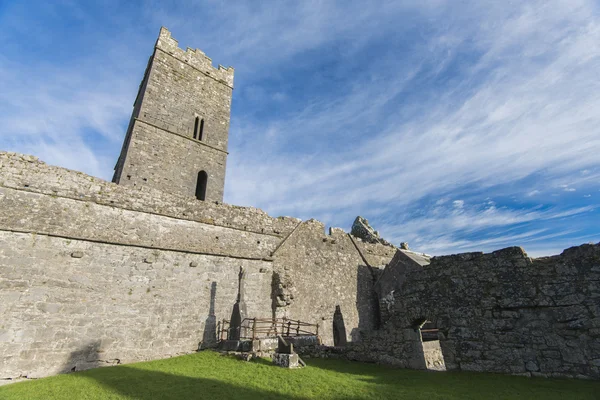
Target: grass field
x,y
208,375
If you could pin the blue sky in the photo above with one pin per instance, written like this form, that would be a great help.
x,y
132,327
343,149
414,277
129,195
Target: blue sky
x,y
454,126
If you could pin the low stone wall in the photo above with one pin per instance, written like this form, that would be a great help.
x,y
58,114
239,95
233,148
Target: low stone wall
x,y
501,312
426,355
401,348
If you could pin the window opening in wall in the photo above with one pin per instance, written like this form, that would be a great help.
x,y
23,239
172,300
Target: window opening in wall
x,y
426,328
201,184
196,128
429,332
201,133
428,336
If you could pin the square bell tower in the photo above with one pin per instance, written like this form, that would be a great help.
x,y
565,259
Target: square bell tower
x,y
177,136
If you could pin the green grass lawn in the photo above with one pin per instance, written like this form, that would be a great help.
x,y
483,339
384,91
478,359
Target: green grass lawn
x,y
208,375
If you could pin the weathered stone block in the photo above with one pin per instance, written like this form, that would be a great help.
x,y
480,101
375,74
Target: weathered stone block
x,y
286,360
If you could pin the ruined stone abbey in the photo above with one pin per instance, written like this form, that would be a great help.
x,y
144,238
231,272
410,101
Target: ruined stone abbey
x,y
145,267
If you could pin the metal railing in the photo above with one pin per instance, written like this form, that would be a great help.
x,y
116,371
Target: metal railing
x,y
428,335
253,328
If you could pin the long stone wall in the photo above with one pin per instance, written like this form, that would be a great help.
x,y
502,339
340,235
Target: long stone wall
x,y
499,312
28,173
93,273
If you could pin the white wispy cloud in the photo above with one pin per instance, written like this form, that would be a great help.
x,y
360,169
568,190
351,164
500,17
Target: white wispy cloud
x,y
444,229
525,107
69,109
480,99
54,117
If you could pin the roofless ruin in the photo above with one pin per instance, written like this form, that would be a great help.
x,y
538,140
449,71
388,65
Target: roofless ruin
x,y
96,273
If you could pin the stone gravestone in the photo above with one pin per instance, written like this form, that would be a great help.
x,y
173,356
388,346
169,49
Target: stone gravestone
x,y
339,329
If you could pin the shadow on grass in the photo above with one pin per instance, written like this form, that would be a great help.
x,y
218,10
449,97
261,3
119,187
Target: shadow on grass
x,y
332,379
390,382
264,361
142,384
209,375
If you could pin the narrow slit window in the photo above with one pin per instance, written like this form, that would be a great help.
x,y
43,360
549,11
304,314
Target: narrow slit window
x,y
201,133
196,128
201,184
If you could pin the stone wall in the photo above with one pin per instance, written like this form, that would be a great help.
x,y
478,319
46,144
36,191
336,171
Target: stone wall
x,y
316,272
377,255
68,304
392,278
93,273
76,219
29,174
500,312
375,348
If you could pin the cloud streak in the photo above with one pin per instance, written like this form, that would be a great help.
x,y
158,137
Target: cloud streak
x,y
451,127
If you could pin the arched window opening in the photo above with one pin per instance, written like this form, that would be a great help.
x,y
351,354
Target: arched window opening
x,y
196,127
201,184
201,133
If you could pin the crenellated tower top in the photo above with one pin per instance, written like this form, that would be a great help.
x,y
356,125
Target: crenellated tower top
x,y
195,58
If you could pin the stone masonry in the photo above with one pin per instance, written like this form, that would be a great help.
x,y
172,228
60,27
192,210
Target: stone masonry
x,y
362,229
180,123
499,312
95,273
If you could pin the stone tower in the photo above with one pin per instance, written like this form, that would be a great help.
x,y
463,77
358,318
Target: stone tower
x,y
177,137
